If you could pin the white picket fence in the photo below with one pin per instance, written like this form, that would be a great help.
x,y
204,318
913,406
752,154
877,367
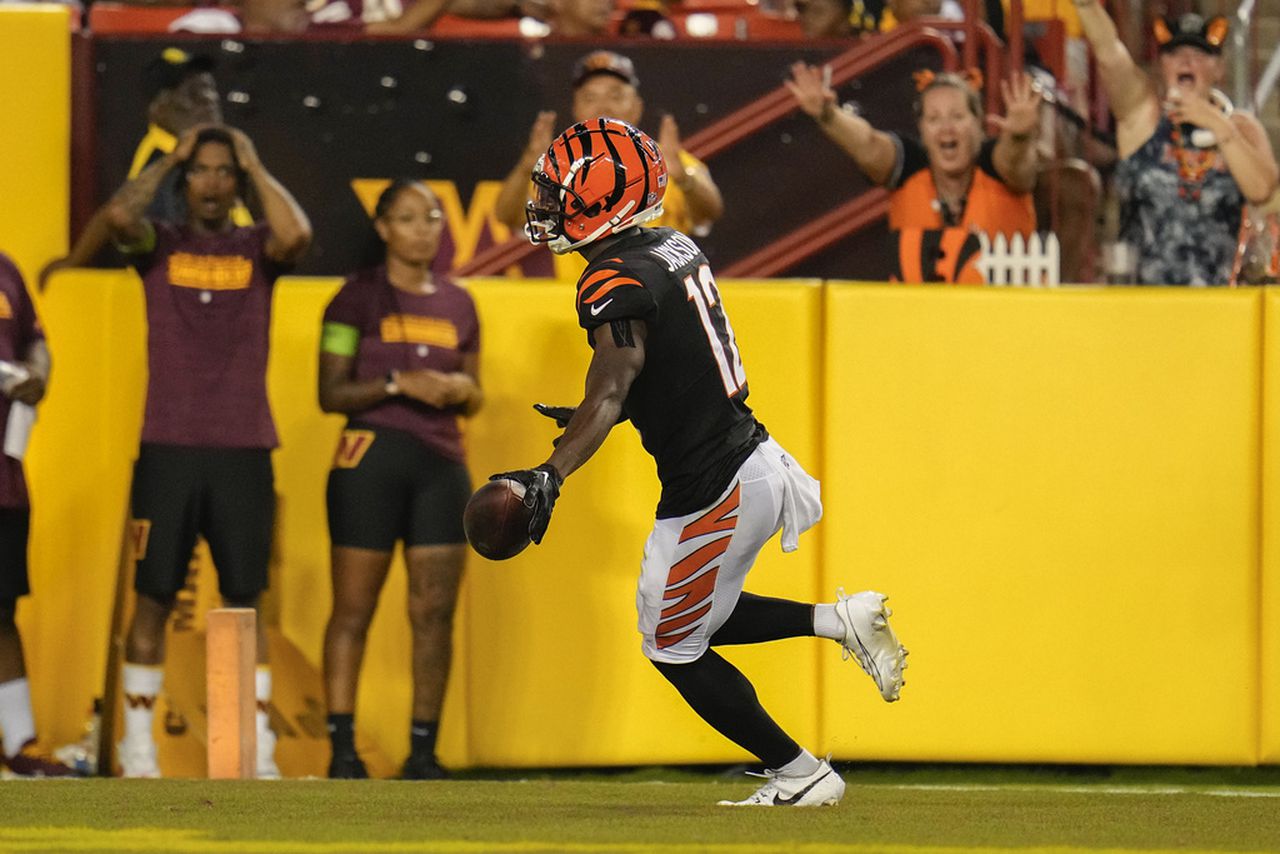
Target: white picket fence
x,y
1020,261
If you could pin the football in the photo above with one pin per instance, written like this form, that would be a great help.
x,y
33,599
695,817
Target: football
x,y
496,521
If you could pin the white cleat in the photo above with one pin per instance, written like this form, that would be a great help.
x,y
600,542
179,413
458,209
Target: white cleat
x,y
870,640
266,761
138,758
821,788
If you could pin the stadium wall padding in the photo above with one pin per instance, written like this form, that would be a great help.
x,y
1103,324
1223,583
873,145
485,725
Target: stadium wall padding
x,y
35,98
1269,596
78,468
1060,489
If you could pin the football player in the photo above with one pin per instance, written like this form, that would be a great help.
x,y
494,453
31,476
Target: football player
x,y
665,357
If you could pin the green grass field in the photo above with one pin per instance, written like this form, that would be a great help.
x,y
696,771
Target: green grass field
x,y
902,810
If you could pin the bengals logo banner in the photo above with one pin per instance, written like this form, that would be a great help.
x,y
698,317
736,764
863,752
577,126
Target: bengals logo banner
x,y
949,256
352,446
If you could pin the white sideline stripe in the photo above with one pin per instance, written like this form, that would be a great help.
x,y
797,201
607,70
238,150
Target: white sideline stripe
x,y
1074,790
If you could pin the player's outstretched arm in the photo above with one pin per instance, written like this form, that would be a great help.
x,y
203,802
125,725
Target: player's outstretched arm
x,y
561,416
618,358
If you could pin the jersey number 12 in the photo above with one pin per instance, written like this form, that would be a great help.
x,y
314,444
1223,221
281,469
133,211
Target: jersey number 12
x,y
706,299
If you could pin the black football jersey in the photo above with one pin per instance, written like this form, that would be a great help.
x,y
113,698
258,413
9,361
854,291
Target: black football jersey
x,y
689,400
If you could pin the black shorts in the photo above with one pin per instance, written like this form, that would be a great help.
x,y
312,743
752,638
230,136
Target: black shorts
x,y
226,495
396,489
15,524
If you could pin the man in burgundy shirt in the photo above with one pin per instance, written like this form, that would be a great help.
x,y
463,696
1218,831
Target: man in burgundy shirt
x,y
204,467
182,93
24,360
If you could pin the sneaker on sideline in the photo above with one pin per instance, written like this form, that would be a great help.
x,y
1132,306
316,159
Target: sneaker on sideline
x,y
870,640
347,766
138,758
422,768
30,761
821,788
266,768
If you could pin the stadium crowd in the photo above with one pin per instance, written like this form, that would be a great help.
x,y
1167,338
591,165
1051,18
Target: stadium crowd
x,y
209,230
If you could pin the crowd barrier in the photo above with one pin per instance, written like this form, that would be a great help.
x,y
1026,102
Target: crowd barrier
x,y
1062,491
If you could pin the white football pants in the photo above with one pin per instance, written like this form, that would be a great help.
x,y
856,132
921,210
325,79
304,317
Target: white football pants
x,y
694,566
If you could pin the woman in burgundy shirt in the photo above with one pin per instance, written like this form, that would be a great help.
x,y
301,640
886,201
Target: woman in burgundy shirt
x,y
399,355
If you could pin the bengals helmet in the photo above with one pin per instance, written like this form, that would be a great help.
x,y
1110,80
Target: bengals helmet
x,y
598,177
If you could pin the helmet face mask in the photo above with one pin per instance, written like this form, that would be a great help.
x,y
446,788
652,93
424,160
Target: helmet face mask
x,y
599,177
544,215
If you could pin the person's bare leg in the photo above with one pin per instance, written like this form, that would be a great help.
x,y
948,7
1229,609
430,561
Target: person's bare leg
x,y
358,576
434,575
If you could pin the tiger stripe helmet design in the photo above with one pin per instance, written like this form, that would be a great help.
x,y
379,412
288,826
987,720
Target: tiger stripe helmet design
x,y
598,177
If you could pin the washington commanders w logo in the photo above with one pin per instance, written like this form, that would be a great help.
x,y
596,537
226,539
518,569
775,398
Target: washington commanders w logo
x,y
352,447
140,701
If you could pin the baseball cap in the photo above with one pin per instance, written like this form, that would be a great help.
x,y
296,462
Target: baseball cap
x,y
605,62
1191,29
171,66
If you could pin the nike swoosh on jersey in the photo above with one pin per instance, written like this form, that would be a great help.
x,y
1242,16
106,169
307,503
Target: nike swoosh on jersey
x,y
594,286
596,309
780,801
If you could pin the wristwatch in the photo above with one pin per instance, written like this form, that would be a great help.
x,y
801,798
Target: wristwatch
x,y
392,388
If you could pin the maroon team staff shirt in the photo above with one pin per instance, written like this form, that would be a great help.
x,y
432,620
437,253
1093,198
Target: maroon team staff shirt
x,y
403,332
19,329
208,320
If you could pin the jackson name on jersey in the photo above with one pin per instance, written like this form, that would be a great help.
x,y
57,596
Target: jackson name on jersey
x,y
689,400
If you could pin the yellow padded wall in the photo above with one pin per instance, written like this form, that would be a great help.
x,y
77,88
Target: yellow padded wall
x,y
78,467
35,137
557,676
1059,491
1269,748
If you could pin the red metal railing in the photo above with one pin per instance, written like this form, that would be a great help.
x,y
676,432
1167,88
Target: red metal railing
x,y
809,239
762,112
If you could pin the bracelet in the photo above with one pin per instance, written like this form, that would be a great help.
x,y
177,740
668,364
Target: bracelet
x,y
392,388
1021,137
828,110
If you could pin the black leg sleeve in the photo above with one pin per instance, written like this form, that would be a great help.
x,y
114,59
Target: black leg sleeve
x,y
724,698
757,619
